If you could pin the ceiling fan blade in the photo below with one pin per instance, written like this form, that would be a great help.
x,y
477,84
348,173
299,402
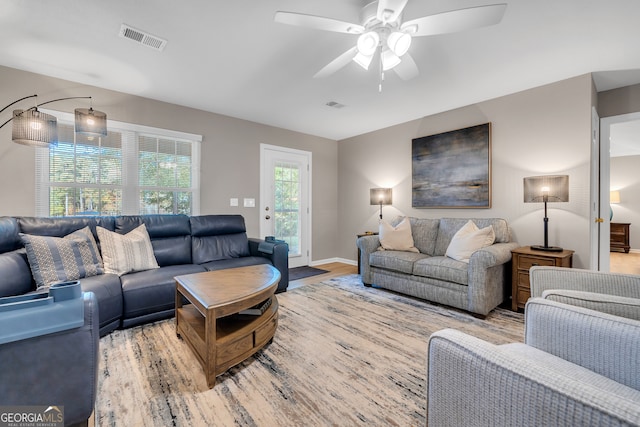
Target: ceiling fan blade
x,y
337,63
317,22
390,10
455,20
407,68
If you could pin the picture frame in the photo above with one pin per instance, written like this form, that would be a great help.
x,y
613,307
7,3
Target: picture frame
x,y
452,169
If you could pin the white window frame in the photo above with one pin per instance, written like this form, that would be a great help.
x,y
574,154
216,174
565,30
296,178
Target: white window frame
x,y
130,184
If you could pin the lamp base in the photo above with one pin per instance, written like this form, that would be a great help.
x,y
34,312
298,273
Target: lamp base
x,y
547,248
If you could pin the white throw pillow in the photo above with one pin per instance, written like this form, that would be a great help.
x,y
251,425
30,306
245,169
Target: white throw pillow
x,y
126,253
398,238
469,239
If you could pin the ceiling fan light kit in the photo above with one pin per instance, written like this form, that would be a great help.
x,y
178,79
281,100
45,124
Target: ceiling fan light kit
x,y
383,31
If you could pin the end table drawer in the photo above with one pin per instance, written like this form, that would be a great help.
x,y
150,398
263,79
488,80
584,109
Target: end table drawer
x,y
528,261
235,349
265,332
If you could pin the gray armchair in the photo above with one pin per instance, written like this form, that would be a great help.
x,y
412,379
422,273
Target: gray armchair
x,y
613,293
55,369
577,367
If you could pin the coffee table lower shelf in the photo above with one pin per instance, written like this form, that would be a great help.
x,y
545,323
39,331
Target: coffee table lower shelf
x,y
236,337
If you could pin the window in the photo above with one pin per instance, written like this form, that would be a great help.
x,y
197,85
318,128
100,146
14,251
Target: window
x,y
133,170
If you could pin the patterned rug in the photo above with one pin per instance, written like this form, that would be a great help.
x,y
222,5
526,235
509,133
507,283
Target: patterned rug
x,y
343,355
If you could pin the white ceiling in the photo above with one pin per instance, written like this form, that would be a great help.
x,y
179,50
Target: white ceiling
x,y
229,57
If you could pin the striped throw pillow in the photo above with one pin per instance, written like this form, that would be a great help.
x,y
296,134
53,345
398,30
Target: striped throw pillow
x,y
126,253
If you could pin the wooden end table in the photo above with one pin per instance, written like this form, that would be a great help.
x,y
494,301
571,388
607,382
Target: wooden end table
x,y
219,336
522,259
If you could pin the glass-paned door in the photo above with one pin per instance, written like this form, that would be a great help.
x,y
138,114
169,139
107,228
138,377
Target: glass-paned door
x,y
284,201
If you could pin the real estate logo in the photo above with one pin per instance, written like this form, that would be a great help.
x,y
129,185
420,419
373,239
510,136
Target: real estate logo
x,y
32,416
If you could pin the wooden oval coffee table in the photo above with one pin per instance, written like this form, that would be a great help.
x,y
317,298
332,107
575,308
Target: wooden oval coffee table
x,y
211,325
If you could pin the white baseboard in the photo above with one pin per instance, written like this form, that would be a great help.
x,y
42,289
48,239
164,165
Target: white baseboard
x,y
330,260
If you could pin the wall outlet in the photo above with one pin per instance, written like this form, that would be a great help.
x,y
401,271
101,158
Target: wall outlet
x,y
233,202
249,203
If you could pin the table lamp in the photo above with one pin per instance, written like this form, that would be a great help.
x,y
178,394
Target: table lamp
x,y
546,189
380,196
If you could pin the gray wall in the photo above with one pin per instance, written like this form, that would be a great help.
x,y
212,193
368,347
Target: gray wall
x,y
624,176
619,101
541,131
230,152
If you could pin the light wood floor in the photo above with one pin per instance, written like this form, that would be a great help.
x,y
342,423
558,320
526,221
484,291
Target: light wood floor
x,y
334,269
621,262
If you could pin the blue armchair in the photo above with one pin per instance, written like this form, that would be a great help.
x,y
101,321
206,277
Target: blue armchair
x,y
58,369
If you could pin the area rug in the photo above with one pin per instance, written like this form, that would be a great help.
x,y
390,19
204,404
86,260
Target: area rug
x,y
343,355
303,272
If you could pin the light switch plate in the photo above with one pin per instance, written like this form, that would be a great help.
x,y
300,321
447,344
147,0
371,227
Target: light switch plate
x,y
249,203
233,202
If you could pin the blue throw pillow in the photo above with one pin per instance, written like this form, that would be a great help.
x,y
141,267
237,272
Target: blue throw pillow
x,y
55,259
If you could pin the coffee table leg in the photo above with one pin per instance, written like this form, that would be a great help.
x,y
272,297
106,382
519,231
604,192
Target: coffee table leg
x,y
210,333
178,305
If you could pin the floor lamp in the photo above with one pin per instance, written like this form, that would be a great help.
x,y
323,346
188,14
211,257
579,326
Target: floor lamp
x,y
546,189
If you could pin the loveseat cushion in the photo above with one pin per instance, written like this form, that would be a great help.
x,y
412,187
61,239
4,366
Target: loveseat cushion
x,y
443,268
395,260
216,237
425,233
450,226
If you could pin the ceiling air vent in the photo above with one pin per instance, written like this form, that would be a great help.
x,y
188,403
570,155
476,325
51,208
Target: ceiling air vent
x,y
142,37
334,104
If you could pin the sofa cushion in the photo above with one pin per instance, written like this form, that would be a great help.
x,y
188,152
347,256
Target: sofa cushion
x,y
216,237
395,260
396,238
244,261
449,227
54,259
152,291
469,239
127,253
16,274
442,268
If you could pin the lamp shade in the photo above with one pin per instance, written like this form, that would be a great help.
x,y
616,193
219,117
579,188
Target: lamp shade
x,y
380,196
546,188
34,128
91,122
614,196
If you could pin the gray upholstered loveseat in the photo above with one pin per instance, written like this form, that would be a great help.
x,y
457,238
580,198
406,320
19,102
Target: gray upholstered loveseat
x,y
478,286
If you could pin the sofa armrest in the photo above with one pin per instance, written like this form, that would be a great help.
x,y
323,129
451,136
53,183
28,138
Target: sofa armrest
x,y
473,382
279,257
367,245
600,342
545,278
59,368
612,304
489,256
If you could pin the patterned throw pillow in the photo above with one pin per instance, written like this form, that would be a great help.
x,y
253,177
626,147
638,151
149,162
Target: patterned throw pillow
x,y
55,259
126,253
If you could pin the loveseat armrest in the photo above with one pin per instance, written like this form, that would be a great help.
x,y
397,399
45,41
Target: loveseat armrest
x,y
489,277
59,368
544,278
367,245
606,344
473,382
278,254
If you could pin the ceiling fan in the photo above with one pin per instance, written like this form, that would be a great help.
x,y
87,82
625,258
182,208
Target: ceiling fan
x,y
383,33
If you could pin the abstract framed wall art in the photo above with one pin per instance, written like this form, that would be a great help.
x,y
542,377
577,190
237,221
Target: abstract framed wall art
x,y
452,169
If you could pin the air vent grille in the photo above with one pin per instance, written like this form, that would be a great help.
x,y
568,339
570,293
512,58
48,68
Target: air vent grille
x,y
142,37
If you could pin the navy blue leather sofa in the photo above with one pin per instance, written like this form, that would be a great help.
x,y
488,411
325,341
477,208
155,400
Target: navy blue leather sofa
x,y
181,244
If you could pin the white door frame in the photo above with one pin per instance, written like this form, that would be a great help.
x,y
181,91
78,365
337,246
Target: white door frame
x,y
265,197
604,183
